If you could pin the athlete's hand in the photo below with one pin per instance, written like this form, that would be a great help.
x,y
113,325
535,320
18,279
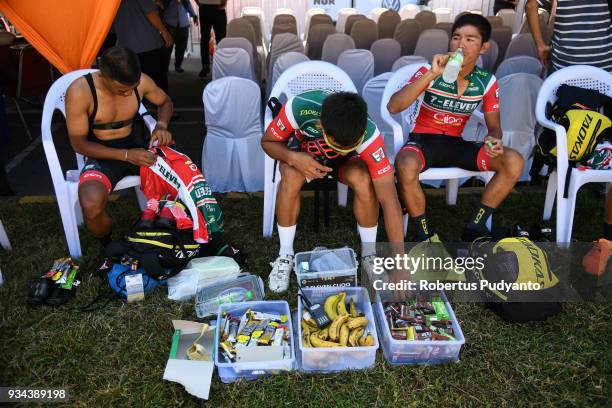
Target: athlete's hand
x,y
161,135
308,166
439,62
140,157
494,147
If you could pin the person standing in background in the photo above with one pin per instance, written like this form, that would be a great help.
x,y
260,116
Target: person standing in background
x,y
139,27
211,16
177,14
504,4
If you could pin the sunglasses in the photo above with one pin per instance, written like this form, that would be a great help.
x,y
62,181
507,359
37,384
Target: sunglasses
x,y
343,149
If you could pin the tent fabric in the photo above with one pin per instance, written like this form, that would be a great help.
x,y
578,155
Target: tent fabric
x,y
232,154
359,65
232,62
68,34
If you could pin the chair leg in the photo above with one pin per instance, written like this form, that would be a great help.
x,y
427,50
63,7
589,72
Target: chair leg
x,y
451,187
23,121
316,211
4,241
551,190
342,194
269,207
561,219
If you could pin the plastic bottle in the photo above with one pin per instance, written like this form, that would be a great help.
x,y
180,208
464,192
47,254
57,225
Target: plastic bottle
x,y
233,295
453,66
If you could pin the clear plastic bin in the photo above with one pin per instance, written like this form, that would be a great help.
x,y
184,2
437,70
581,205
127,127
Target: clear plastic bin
x,y
418,352
330,359
205,303
333,277
230,372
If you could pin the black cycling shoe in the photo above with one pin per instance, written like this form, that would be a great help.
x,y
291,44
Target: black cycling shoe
x,y
471,234
40,291
60,296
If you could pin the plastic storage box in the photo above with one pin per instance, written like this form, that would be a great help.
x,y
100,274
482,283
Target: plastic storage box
x,y
418,352
230,372
207,304
305,261
330,359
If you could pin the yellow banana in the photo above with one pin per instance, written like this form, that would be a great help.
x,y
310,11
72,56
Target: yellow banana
x,y
344,335
306,325
352,308
306,338
334,328
317,342
366,340
330,306
324,334
353,339
342,304
358,322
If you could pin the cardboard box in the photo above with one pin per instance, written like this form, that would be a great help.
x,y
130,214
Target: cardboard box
x,y
195,376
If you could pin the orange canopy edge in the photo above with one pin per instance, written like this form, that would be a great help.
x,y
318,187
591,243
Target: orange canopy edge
x,y
67,33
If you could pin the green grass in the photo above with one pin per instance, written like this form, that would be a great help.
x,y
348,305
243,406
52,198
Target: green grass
x,y
116,356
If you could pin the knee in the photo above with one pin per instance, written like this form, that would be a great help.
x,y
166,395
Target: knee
x,y
408,166
93,201
513,164
291,178
359,180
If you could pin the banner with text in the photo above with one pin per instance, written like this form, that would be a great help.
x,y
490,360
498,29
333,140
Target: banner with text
x,y
331,7
364,6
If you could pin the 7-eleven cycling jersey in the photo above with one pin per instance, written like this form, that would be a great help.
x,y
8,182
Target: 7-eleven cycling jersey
x,y
443,112
300,116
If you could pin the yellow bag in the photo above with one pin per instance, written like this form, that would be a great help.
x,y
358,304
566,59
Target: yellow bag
x,y
584,128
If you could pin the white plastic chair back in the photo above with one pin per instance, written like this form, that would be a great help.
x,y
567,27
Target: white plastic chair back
x,y
385,51
372,93
280,11
407,60
259,13
522,44
359,65
343,15
283,63
232,62
334,45
409,11
407,34
489,58
376,12
521,63
443,15
297,79
431,42
476,11
517,97
508,17
582,76
66,186
232,157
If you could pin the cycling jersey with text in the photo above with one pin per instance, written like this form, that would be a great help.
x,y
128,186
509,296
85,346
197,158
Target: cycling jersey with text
x,y
443,112
300,116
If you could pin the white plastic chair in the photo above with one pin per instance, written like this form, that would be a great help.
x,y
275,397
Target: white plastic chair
x,y
582,76
372,93
508,17
409,11
343,14
4,240
258,12
309,13
297,79
451,175
232,157
407,60
521,63
359,65
284,62
443,15
66,187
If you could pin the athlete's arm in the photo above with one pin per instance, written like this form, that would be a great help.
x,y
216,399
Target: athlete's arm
x,y
78,98
406,96
386,193
495,145
154,94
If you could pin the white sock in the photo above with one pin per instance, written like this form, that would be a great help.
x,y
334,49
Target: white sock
x,y
368,239
286,236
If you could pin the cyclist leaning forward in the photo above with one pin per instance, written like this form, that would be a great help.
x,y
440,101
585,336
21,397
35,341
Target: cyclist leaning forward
x,y
436,138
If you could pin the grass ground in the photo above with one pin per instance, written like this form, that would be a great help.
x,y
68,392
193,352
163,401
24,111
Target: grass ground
x,y
115,357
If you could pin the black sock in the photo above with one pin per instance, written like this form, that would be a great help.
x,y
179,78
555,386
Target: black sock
x,y
607,231
105,240
479,220
423,230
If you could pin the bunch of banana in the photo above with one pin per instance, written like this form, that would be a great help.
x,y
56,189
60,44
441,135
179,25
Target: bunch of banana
x,y
348,327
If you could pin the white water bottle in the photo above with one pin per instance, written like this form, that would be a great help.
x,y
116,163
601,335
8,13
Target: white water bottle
x,y
453,66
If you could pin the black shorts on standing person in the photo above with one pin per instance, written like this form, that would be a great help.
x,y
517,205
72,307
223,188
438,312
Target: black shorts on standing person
x,y
211,16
